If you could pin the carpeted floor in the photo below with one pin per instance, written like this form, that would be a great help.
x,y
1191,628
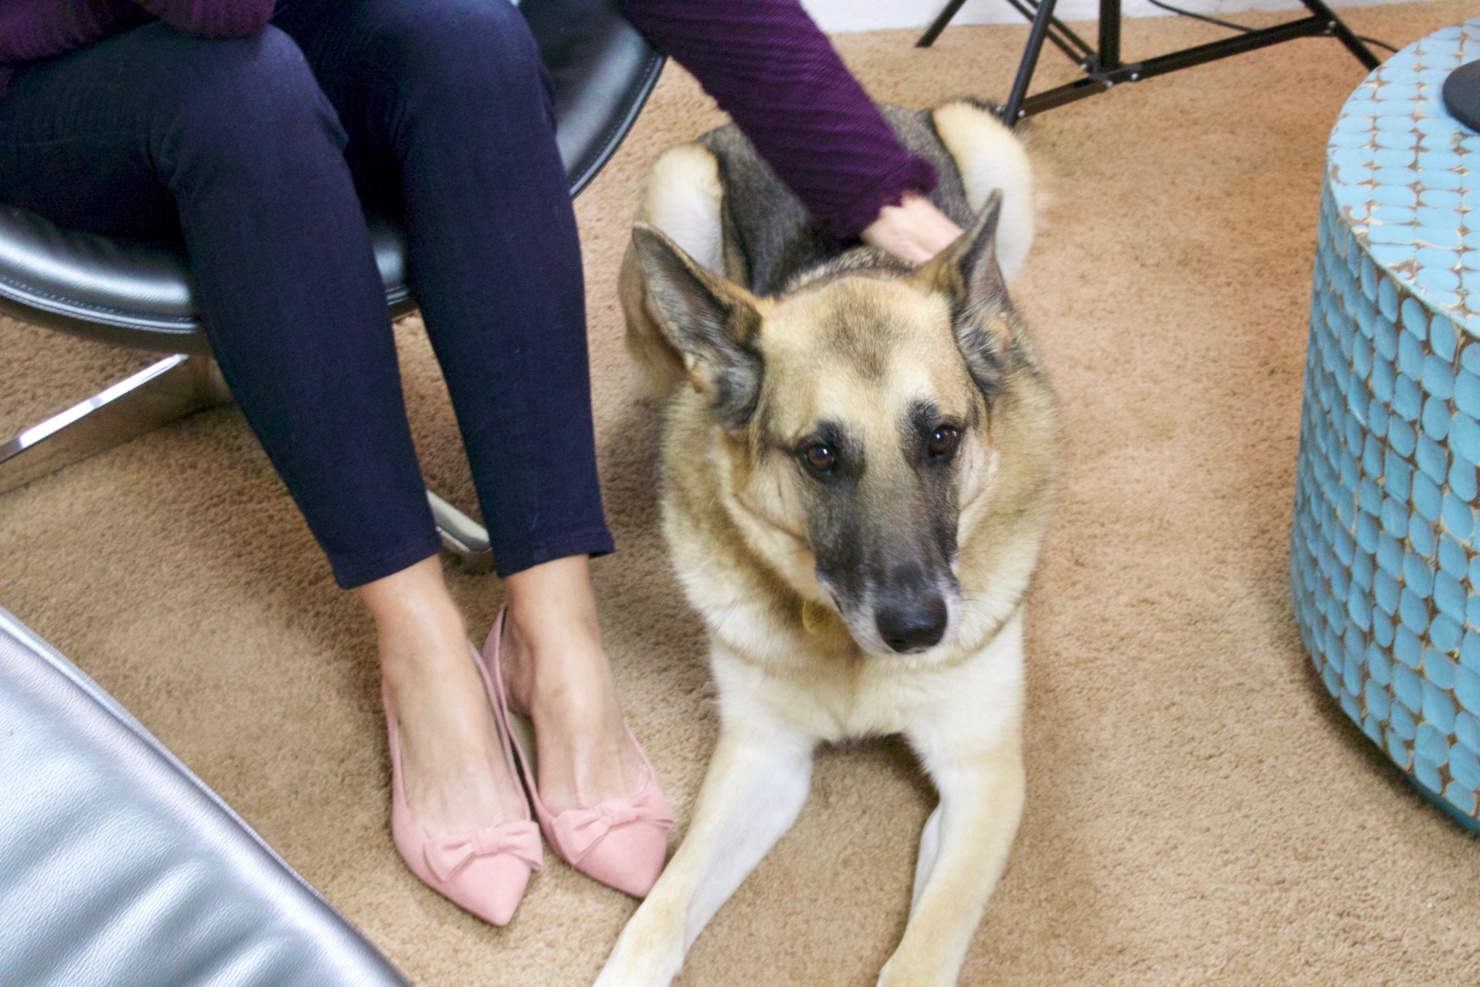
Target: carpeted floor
x,y
1198,810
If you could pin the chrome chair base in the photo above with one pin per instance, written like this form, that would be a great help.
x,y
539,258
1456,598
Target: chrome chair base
x,y
176,386
161,393
462,536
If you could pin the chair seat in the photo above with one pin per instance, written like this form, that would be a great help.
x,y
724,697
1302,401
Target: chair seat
x,y
129,293
138,295
121,867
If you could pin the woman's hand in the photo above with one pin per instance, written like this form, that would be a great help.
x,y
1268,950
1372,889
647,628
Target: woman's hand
x,y
914,230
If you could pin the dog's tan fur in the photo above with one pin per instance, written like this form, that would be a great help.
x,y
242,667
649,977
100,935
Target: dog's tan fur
x,y
857,348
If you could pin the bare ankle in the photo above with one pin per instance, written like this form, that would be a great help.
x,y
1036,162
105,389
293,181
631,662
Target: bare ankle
x,y
553,598
416,620
565,671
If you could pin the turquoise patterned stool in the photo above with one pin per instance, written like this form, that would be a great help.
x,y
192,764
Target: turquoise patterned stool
x,y
1385,552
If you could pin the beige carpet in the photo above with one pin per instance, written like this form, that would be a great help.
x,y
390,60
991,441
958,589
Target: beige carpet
x,y
1198,810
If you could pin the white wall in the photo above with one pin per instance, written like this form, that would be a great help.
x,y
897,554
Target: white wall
x,y
868,15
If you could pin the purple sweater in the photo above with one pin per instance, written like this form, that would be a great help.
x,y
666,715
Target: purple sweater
x,y
764,61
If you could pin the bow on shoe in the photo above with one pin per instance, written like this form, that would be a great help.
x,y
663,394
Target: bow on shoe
x,y
578,830
447,856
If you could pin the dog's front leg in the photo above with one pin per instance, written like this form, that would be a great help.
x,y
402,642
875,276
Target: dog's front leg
x,y
971,745
757,782
968,835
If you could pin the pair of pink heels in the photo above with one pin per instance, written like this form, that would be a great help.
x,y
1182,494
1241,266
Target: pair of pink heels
x,y
620,842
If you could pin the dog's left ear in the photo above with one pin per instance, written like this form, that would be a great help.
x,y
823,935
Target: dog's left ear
x,y
709,320
981,313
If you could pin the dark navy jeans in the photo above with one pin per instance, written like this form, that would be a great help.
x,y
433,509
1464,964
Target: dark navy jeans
x,y
259,153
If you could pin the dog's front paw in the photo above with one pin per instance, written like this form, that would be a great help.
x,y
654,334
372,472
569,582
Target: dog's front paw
x,y
643,957
899,973
632,971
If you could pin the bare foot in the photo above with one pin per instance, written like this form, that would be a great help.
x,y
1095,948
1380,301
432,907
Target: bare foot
x,y
556,672
452,762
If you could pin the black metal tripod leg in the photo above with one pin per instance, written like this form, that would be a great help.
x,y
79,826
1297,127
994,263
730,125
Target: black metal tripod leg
x,y
1013,110
1344,34
928,38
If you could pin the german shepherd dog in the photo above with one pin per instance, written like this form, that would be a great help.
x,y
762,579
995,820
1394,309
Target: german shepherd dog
x,y
857,462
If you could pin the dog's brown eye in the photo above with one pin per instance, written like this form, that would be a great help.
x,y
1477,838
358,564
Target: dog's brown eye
x,y
943,441
821,458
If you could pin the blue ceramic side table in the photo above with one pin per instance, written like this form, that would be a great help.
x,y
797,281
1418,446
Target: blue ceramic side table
x,y
1385,552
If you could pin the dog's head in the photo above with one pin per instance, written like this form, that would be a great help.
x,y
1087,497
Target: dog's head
x,y
853,416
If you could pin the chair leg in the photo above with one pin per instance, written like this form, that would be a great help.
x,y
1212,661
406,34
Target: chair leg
x,y
174,387
461,535
157,395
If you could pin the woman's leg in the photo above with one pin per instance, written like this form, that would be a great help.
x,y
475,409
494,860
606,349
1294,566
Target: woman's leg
x,y
451,757
448,107
233,142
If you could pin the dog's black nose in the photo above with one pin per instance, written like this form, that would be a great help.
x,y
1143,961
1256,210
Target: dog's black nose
x,y
914,625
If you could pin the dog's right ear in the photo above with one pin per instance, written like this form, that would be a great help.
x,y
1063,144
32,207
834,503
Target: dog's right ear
x,y
711,322
968,274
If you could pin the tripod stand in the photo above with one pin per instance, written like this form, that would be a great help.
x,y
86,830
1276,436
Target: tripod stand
x,y
1103,68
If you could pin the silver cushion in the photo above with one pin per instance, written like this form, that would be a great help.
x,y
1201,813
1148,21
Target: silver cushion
x,y
118,866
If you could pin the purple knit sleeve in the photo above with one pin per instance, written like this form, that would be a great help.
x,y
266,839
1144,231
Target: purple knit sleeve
x,y
32,29
212,18
778,77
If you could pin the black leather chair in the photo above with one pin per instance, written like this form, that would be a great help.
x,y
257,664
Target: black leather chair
x,y
138,295
118,866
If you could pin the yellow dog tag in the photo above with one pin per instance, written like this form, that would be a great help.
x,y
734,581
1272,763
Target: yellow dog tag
x,y
815,616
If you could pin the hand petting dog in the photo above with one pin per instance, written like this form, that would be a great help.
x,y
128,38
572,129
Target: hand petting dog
x,y
914,230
